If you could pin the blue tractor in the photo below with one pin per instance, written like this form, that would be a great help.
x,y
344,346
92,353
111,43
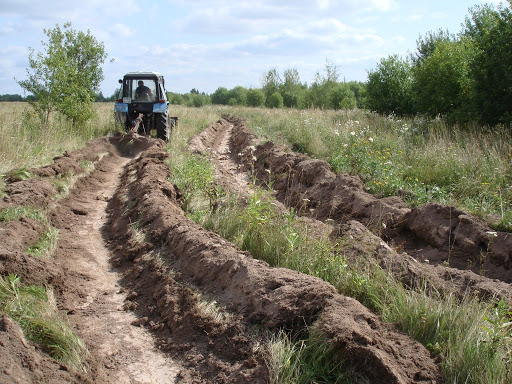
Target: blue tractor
x,y
142,104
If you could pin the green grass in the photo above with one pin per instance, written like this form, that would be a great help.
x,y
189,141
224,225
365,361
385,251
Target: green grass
x,y
34,308
306,361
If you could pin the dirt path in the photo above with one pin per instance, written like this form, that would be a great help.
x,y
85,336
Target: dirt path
x,y
101,322
89,289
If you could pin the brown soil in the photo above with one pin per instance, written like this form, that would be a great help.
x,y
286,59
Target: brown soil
x,y
158,299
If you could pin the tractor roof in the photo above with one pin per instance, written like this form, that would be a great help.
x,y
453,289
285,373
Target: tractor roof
x,y
143,74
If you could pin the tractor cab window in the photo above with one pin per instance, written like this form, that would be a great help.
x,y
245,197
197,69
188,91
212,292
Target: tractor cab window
x,y
142,89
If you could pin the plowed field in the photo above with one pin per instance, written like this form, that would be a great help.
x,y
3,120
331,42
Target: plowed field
x,y
156,298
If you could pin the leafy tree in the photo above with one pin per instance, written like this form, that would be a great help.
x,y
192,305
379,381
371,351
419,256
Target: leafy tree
x,y
271,83
342,97
442,81
359,90
198,100
490,29
389,86
255,98
67,75
426,45
318,94
239,94
291,89
275,100
220,96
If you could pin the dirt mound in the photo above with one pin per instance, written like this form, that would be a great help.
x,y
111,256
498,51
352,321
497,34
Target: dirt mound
x,y
434,234
248,291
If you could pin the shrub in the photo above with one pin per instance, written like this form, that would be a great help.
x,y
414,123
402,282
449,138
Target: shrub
x,y
255,98
275,100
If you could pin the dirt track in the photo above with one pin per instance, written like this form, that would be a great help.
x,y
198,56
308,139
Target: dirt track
x,y
135,275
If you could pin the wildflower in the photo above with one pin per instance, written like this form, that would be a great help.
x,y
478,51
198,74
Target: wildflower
x,y
336,132
370,139
252,148
352,133
268,171
254,158
492,233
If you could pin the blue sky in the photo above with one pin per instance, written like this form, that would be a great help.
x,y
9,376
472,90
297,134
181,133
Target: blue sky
x,y
205,44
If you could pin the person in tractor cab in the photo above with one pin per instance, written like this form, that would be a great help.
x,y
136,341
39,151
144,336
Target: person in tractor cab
x,y
143,92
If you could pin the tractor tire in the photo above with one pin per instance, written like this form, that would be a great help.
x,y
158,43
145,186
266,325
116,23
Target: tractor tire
x,y
163,130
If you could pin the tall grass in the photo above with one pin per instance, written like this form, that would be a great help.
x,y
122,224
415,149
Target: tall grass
x,y
25,144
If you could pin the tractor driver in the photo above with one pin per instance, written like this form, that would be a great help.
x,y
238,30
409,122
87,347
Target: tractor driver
x,y
143,92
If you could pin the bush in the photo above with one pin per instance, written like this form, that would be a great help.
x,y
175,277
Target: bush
x,y
255,98
389,87
342,97
275,100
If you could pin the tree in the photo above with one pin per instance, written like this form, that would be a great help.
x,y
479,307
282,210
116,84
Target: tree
x,y
426,45
271,83
239,94
220,96
66,76
342,97
490,29
275,100
389,86
255,98
442,81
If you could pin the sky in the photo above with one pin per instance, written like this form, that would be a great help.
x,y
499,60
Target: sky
x,y
206,44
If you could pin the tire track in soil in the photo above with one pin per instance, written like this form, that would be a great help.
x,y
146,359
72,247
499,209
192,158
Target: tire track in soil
x,y
110,332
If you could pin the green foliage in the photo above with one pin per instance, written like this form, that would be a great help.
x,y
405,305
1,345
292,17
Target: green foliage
x,y
426,45
35,310
175,98
271,83
275,100
198,100
389,87
220,96
442,81
255,98
239,94
67,75
342,97
490,30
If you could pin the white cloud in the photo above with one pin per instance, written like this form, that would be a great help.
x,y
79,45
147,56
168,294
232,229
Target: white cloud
x,y
121,30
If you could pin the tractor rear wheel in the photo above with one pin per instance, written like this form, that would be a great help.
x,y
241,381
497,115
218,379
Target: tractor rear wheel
x,y
163,130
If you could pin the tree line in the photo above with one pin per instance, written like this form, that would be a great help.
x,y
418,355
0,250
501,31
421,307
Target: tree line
x,y
286,90
465,77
